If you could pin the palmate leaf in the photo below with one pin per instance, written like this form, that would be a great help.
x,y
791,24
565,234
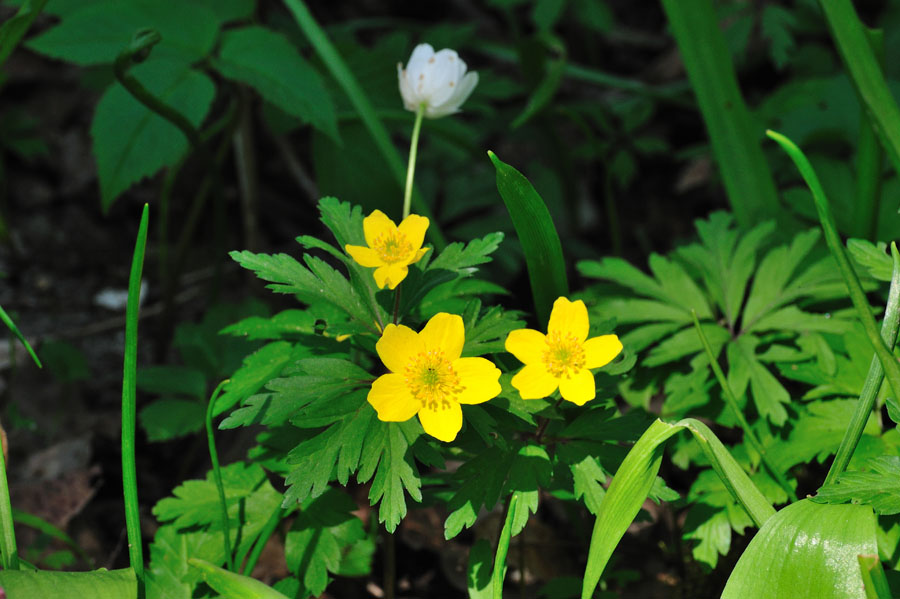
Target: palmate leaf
x,y
878,486
258,369
168,575
386,455
872,257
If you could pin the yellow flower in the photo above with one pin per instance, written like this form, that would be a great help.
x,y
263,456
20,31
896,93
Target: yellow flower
x,y
563,357
391,248
429,378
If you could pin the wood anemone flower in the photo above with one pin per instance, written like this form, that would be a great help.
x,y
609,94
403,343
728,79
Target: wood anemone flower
x,y
436,80
391,249
564,357
429,378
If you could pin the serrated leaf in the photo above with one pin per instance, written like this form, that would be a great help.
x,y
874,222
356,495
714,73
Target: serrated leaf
x,y
529,470
386,453
132,142
872,257
168,575
624,274
488,333
686,342
878,486
97,32
287,322
678,286
170,418
258,368
768,393
268,62
463,258
479,482
588,479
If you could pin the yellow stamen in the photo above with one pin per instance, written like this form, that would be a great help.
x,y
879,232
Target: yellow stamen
x,y
564,355
392,247
432,380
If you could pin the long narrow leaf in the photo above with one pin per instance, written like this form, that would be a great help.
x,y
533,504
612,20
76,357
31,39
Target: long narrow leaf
x,y
857,296
859,59
633,480
232,585
99,584
735,141
538,236
4,317
14,28
874,580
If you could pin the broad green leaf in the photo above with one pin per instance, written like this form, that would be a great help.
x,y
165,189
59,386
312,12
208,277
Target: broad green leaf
x,y
97,32
172,380
42,584
169,418
806,551
15,27
268,62
232,585
538,236
636,476
878,486
132,142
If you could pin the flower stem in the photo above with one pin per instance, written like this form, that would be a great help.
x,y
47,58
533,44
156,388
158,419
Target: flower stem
x,y
411,168
217,473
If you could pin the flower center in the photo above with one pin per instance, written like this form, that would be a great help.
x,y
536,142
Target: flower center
x,y
392,247
432,380
564,355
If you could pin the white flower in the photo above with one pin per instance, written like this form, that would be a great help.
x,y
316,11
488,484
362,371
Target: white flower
x,y
438,80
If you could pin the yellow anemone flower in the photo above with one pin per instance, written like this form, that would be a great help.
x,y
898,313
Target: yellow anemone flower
x,y
391,248
429,378
563,357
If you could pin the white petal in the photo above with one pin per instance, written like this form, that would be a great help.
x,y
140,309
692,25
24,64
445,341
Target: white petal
x,y
462,91
417,71
406,92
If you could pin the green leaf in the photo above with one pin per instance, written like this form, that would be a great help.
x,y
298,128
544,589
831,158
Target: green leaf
x,y
98,32
234,586
285,323
878,486
463,258
538,236
132,142
268,62
230,10
588,479
168,575
806,551
768,393
626,275
386,455
258,369
872,257
529,470
479,482
16,26
488,333
170,418
40,584
478,573
678,286
172,380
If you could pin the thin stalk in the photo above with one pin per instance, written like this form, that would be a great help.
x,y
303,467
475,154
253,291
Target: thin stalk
x,y
4,317
869,162
217,473
390,564
411,166
499,572
9,554
874,378
731,402
248,177
857,296
361,103
263,538
396,305
129,401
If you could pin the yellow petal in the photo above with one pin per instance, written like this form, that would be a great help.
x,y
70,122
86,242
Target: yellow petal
x,y
600,351
398,346
480,380
534,382
527,345
390,275
364,256
392,400
443,423
419,255
569,317
578,389
446,333
413,228
377,224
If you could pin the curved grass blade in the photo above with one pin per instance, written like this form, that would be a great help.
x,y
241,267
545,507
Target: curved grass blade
x,y
129,400
538,236
632,482
499,572
40,584
14,29
15,331
232,585
873,577
857,296
38,523
342,74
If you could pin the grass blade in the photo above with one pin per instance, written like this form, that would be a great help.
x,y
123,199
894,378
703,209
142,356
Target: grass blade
x,y
538,236
129,400
4,317
14,29
869,163
857,296
735,140
499,572
874,580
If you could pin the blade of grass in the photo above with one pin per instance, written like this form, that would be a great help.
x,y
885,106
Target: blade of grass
x,y
15,331
129,400
217,472
342,74
857,296
499,572
874,580
869,163
14,29
9,554
732,132
874,378
538,236
38,523
731,400
860,61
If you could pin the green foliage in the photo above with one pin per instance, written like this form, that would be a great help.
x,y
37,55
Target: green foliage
x,y
40,584
876,486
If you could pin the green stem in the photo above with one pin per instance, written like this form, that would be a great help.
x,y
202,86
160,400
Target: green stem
x,y
857,296
869,162
732,403
263,538
411,167
217,472
874,378
499,572
129,410
390,564
9,554
4,317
